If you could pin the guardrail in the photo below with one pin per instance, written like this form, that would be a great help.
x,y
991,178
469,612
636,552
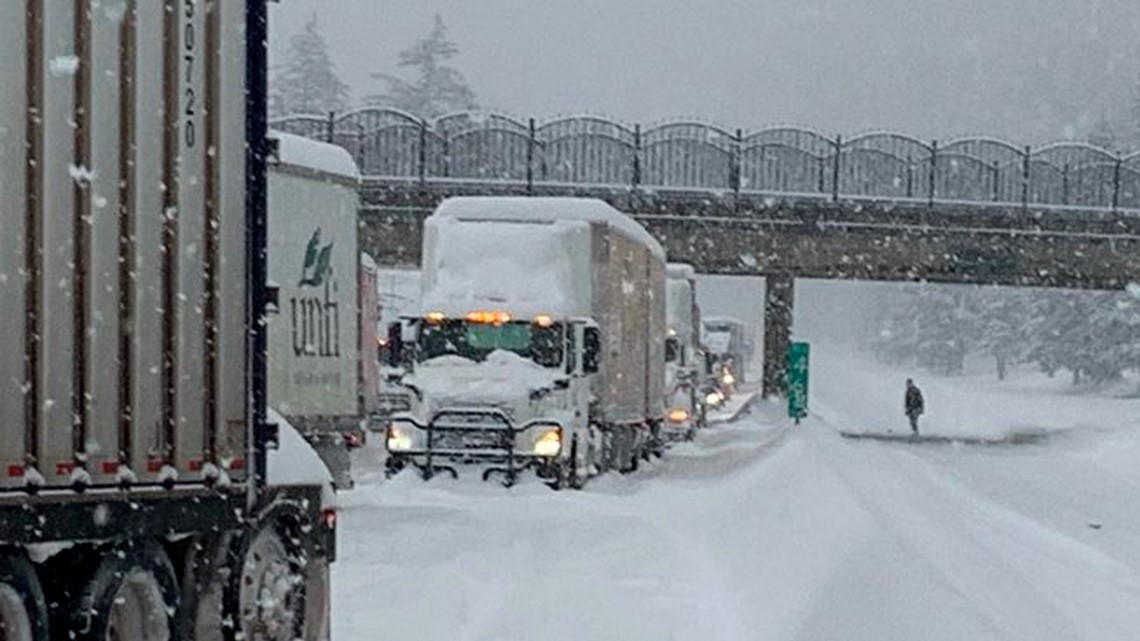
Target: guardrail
x,y
591,151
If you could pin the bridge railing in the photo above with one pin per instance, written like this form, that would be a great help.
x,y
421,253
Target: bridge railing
x,y
690,155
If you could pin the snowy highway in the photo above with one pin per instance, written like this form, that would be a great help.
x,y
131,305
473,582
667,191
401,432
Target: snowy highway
x,y
761,530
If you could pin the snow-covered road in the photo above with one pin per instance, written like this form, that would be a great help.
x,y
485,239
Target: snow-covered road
x,y
763,531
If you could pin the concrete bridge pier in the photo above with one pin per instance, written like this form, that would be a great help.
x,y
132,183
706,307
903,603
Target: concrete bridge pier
x,y
779,299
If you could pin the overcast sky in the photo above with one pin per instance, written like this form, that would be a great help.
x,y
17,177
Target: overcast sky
x,y
1030,70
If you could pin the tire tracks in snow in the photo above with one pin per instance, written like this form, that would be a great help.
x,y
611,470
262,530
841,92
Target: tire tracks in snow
x,y
1026,579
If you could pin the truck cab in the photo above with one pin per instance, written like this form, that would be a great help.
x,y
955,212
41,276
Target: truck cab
x,y
497,390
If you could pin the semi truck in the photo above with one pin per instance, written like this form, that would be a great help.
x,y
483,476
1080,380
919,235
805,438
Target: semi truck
x,y
684,357
316,360
725,339
135,495
539,342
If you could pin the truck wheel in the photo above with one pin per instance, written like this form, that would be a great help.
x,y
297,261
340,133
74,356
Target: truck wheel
x,y
23,609
272,590
132,596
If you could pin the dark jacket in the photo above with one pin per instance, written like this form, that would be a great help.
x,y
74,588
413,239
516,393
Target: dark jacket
x,y
914,402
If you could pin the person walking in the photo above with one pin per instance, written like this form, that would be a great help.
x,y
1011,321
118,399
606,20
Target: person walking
x,y
914,404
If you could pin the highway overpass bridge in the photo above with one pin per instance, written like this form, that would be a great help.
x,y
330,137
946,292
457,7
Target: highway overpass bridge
x,y
781,203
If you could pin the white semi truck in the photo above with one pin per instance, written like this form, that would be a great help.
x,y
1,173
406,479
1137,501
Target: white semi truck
x,y
539,343
135,494
684,357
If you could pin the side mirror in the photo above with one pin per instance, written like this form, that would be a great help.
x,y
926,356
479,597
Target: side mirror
x,y
395,344
591,350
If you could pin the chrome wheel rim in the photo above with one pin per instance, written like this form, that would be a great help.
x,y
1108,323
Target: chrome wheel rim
x,y
270,590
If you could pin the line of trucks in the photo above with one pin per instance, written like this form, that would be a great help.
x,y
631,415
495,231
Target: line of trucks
x,y
191,343
550,335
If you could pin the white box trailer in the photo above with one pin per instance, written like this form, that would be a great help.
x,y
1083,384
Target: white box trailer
x,y
540,339
314,341
133,431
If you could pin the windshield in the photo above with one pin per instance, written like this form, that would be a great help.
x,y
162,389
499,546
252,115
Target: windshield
x,y
475,341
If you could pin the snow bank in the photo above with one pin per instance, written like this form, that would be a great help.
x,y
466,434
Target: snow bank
x,y
503,377
548,209
525,268
311,154
295,462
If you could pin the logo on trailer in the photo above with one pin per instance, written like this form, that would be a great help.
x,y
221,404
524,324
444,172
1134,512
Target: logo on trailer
x,y
316,315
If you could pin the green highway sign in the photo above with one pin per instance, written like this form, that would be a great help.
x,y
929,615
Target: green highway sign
x,y
798,380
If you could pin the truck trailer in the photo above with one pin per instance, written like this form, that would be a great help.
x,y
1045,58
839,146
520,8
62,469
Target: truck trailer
x,y
539,343
684,357
315,353
135,501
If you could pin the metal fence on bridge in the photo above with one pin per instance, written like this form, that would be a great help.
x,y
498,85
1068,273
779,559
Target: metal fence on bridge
x,y
688,155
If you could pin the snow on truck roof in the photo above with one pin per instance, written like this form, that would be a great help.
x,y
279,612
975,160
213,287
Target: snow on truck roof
x,y
680,270
547,210
709,321
299,151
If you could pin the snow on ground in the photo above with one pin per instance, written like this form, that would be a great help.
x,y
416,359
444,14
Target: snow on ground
x,y
760,530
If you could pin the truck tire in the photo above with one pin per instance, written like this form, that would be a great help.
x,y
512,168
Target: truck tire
x,y
271,589
131,596
204,578
23,609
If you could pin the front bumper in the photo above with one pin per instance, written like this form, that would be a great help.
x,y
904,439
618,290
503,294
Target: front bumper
x,y
471,436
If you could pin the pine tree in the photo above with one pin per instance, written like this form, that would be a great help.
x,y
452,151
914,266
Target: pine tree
x,y
436,89
307,83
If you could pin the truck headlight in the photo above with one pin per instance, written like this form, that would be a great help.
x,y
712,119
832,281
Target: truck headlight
x,y
714,398
728,379
678,415
550,443
398,440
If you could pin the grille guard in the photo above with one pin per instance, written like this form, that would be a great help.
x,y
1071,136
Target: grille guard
x,y
473,420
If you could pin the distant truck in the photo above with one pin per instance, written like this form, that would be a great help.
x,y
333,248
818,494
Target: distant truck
x,y
398,296
684,356
137,493
315,352
539,343
724,337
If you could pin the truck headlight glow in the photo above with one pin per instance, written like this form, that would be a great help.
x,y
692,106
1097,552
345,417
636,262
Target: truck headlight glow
x,y
550,443
678,415
398,440
728,378
714,398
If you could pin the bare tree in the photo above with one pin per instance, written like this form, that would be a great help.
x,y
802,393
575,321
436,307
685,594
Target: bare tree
x,y
436,88
307,82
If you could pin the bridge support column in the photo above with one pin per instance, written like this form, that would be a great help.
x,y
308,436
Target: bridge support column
x,y
779,298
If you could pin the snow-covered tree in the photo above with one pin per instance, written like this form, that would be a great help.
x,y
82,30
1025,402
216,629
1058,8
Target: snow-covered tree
x,y
435,88
1002,315
307,81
